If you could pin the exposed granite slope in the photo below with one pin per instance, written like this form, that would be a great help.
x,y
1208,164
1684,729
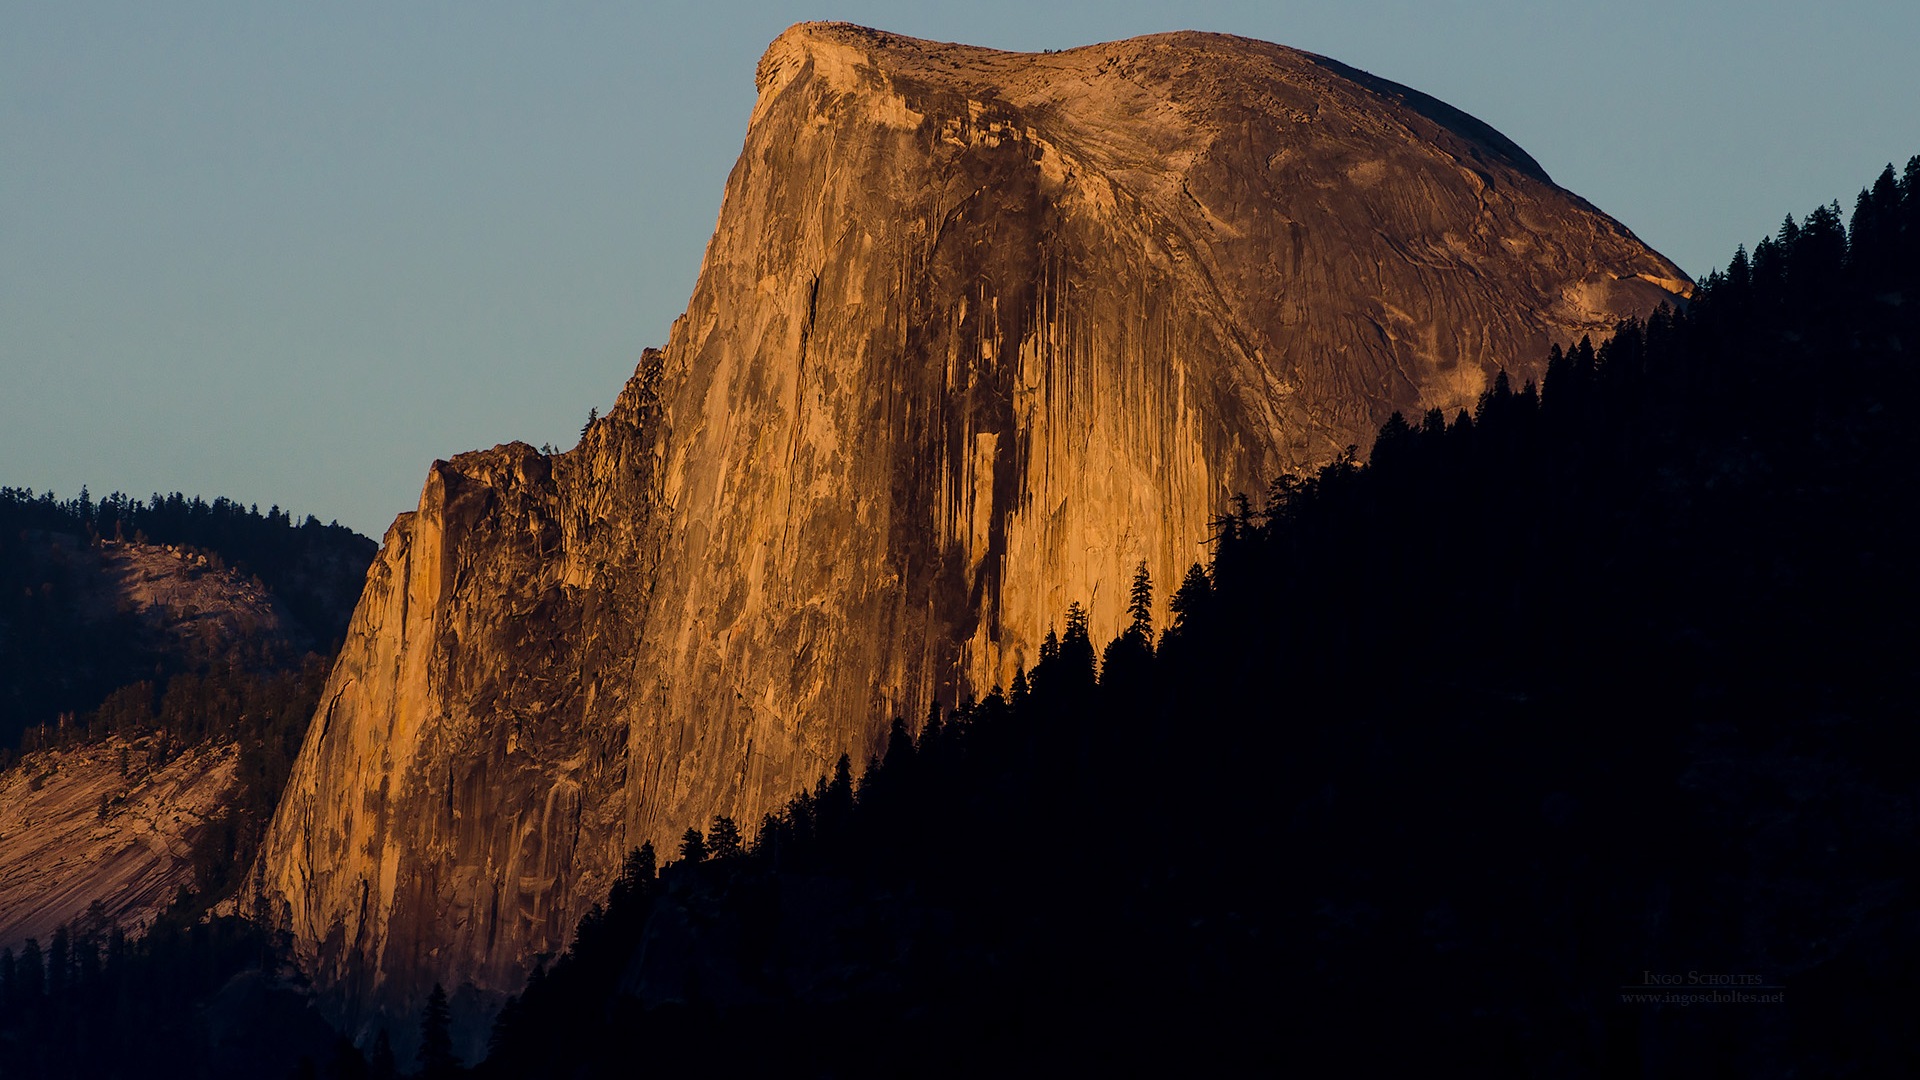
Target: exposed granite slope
x,y
60,855
976,333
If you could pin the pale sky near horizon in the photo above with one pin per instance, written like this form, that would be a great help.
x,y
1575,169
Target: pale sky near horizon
x,y
293,253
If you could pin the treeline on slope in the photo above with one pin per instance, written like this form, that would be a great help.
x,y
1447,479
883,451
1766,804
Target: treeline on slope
x,y
191,997
309,566
264,712
1608,677
58,655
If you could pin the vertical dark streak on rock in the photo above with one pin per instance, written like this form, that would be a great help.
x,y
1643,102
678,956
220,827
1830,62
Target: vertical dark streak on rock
x,y
405,586
493,915
333,702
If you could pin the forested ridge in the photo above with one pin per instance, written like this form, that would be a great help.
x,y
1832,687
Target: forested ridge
x,y
293,558
1442,753
61,654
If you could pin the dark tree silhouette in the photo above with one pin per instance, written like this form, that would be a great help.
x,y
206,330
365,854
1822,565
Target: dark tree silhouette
x,y
381,1064
1603,677
693,846
723,838
437,1061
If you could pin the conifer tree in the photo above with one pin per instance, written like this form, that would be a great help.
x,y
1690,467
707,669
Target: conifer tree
x,y
723,838
436,1037
693,846
1195,589
1394,439
840,791
30,973
930,733
899,755
1076,649
637,875
381,1064
1140,602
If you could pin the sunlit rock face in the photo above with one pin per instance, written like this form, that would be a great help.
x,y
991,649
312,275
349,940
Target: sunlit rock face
x,y
977,332
102,834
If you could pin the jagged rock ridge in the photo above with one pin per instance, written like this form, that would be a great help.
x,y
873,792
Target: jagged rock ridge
x,y
976,333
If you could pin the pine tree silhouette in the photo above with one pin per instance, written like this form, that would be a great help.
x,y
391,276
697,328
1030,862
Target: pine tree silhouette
x,y
437,1061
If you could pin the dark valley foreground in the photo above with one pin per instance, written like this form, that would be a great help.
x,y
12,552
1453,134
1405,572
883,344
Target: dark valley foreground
x,y
1597,673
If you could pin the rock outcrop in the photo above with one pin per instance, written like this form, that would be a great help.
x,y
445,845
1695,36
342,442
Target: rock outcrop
x,y
103,833
977,333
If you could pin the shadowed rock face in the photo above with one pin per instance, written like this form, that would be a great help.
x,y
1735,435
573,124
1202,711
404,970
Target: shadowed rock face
x,y
976,333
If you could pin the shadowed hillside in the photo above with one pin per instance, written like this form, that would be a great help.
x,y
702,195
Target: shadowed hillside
x,y
95,595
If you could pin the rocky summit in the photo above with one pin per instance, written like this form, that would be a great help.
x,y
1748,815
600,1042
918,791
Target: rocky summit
x,y
977,333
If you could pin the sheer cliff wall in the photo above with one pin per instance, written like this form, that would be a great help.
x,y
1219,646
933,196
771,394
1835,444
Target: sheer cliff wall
x,y
977,332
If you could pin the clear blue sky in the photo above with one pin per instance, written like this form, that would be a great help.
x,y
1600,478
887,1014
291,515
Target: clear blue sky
x,y
292,253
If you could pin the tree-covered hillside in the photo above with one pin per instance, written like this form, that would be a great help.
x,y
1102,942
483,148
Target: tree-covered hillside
x,y
67,635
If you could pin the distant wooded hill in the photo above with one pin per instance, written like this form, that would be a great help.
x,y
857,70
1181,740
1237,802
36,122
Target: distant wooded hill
x,y
83,612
